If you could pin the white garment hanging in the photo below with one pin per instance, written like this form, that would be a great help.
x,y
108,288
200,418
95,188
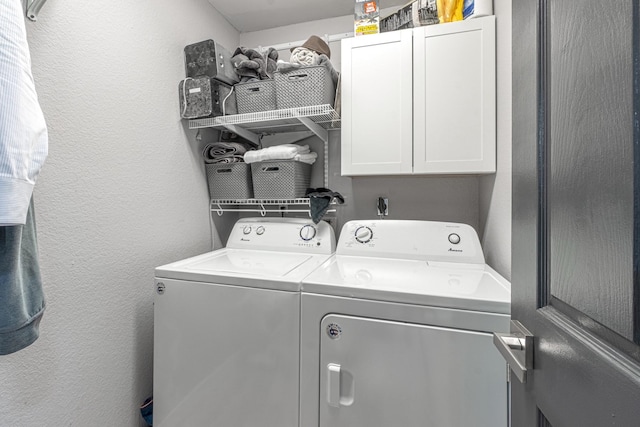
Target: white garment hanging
x,y
23,131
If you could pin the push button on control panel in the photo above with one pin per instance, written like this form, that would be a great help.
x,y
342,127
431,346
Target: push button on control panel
x,y
454,239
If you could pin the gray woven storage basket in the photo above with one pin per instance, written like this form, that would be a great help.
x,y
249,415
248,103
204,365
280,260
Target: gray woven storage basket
x,y
304,86
229,180
253,97
281,179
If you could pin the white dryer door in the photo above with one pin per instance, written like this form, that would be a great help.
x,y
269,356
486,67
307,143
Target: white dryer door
x,y
378,373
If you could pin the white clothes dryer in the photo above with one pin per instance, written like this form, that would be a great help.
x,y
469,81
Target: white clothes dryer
x,y
227,327
396,330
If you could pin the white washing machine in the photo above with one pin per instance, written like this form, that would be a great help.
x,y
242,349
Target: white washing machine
x,y
227,327
396,330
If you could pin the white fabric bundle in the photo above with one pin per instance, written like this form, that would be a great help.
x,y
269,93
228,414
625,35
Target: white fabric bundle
x,y
299,153
304,56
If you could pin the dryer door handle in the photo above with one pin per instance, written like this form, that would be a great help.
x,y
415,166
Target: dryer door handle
x,y
333,384
340,386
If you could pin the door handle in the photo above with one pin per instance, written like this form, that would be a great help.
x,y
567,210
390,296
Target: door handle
x,y
517,349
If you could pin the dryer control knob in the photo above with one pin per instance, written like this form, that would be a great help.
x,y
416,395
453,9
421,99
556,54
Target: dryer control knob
x,y
307,232
260,231
246,229
454,238
363,234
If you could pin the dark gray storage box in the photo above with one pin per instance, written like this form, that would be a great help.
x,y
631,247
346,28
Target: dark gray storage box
x,y
256,96
208,58
304,86
280,179
203,97
229,180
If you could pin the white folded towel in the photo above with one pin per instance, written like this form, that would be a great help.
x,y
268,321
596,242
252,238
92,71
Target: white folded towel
x,y
278,152
306,158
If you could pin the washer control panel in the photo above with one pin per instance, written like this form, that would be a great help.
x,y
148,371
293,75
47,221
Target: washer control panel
x,y
421,240
283,234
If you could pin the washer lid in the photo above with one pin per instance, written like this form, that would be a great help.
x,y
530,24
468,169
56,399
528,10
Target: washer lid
x,y
443,284
262,269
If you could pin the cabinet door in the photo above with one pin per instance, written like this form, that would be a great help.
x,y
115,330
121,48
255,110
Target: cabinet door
x,y
377,104
455,97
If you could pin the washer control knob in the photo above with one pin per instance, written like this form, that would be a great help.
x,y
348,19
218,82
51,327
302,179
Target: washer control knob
x,y
260,230
246,229
307,232
363,234
454,239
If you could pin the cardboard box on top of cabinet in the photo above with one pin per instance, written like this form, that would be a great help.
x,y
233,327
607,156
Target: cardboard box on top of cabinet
x,y
414,14
367,18
428,12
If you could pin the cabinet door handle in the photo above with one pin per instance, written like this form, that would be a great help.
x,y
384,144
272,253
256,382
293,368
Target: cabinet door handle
x,y
333,385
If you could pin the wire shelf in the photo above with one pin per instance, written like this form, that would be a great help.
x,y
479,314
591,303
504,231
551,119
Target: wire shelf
x,y
275,121
263,206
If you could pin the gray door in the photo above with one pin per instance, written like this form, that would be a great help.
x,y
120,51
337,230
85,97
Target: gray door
x,y
576,210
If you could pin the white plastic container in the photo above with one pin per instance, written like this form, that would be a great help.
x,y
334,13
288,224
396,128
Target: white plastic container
x,y
477,8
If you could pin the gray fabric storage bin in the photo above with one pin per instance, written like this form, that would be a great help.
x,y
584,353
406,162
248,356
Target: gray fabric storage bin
x,y
280,179
229,180
209,58
253,97
304,86
204,97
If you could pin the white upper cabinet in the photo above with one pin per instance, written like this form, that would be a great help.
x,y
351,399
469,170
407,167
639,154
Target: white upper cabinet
x,y
377,104
420,101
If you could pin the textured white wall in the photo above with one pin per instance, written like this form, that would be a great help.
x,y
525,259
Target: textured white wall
x,y
495,190
123,191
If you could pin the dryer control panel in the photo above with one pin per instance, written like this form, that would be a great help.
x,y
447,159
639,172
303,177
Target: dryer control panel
x,y
406,239
283,234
